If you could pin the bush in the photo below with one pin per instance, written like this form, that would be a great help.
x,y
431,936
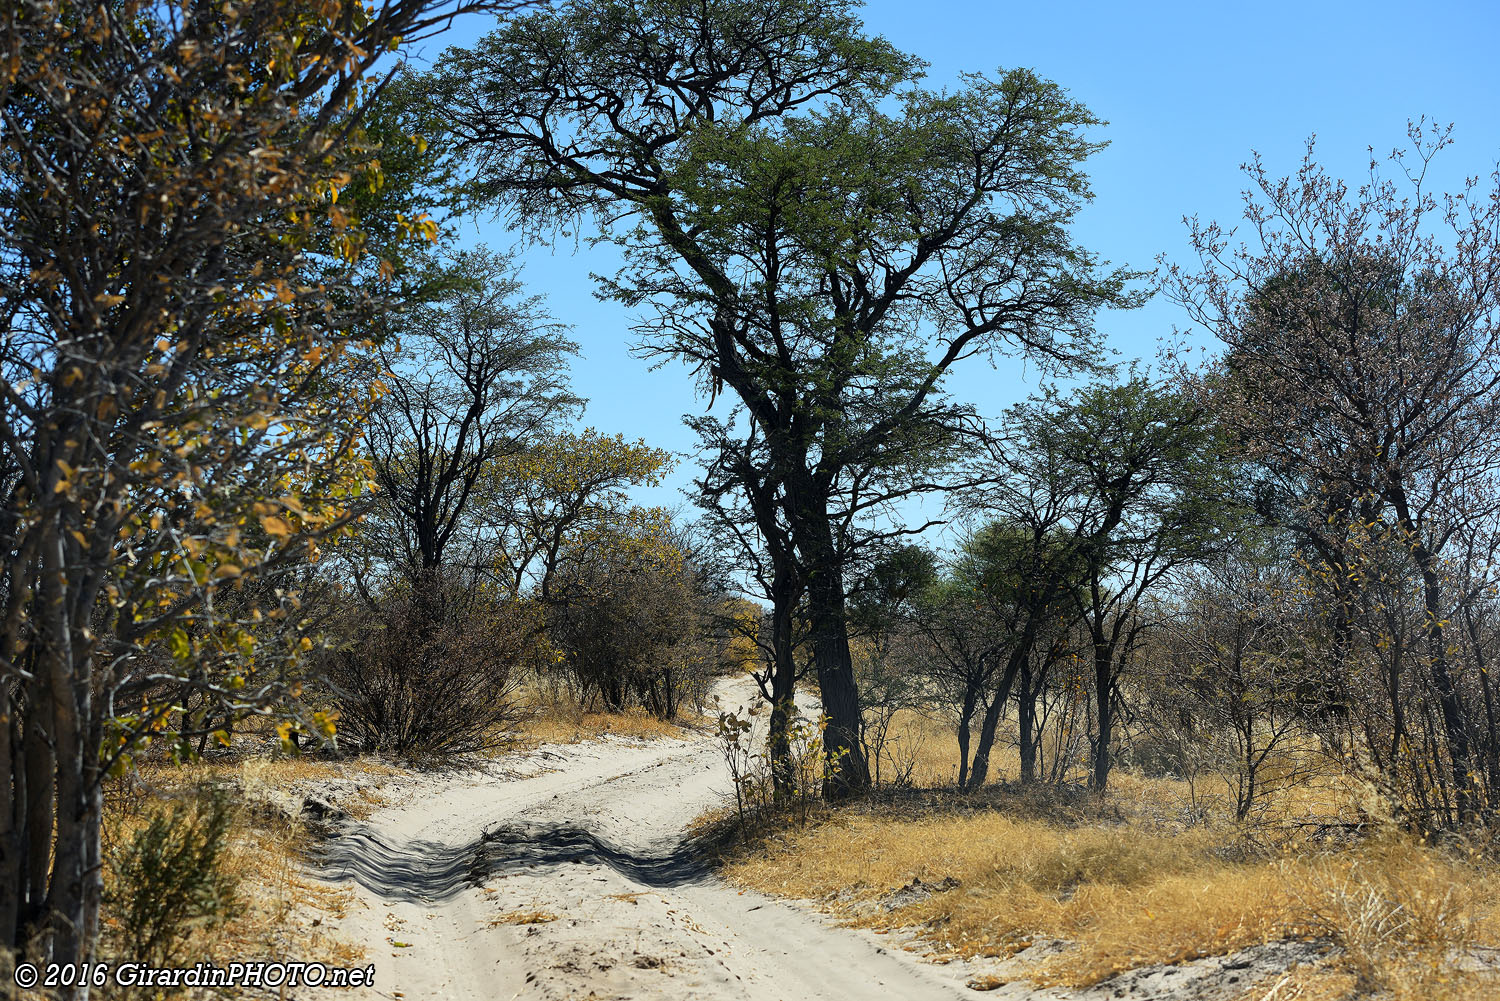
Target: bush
x,y
631,628
429,670
750,771
167,878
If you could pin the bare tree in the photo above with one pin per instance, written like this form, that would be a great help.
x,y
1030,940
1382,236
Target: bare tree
x,y
1240,661
477,378
1363,376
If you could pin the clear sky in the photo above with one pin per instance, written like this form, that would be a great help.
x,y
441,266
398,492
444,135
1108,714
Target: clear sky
x,y
1188,89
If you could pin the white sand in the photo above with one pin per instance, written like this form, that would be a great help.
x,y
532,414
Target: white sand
x,y
593,834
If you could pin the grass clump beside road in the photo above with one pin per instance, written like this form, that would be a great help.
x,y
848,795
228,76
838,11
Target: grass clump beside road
x,y
563,724
552,714
1124,884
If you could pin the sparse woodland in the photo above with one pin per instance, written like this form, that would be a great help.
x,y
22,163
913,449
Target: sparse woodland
x,y
290,476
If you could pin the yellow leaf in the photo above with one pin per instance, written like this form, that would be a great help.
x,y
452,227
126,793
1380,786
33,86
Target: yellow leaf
x,y
276,526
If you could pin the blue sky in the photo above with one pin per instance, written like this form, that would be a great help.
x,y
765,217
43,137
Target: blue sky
x,y
1189,90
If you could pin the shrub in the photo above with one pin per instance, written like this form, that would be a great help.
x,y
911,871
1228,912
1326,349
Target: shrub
x,y
430,669
750,770
630,626
167,878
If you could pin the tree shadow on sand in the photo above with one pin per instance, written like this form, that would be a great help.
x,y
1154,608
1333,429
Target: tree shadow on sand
x,y
425,870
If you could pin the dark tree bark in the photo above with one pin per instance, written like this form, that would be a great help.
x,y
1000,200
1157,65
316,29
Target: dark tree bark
x,y
743,257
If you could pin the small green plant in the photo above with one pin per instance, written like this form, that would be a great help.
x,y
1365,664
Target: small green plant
x,y
735,733
808,764
167,878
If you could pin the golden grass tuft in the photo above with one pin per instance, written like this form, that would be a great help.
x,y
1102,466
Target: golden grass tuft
x,y
522,918
922,746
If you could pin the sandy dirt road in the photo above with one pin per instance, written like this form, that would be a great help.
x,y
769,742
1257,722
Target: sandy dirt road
x,y
450,878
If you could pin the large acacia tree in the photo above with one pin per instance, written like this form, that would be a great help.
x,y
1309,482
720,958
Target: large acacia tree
x,y
823,261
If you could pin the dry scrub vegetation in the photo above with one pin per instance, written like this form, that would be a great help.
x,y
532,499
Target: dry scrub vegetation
x,y
551,717
1146,875
223,879
566,725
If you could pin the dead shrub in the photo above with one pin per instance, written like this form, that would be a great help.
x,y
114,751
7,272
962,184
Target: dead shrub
x,y
429,670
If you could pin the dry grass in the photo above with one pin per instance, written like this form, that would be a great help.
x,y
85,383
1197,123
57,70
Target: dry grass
x,y
923,744
1141,877
567,725
282,911
1336,982
1129,897
554,717
522,918
930,745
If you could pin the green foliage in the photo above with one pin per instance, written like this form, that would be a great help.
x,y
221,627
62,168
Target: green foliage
x,y
560,493
894,585
670,66
1142,467
808,760
167,879
408,176
820,259
629,618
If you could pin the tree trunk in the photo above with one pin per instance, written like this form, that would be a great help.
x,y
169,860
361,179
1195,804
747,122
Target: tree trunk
x,y
12,817
1491,738
822,569
980,771
1460,759
1026,722
73,893
36,804
971,700
848,772
1104,734
783,683
1459,756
